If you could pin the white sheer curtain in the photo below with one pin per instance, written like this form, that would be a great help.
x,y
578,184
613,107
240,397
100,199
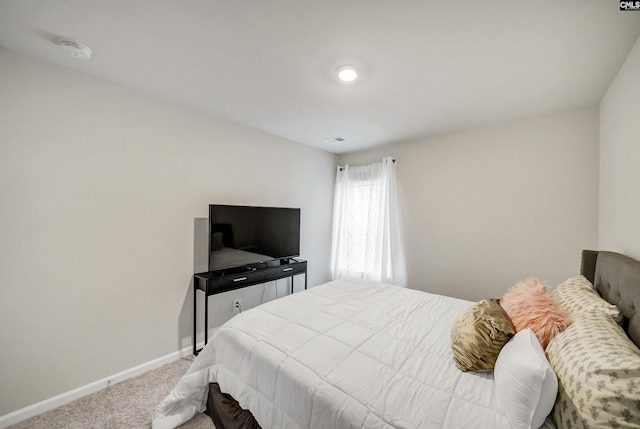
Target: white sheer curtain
x,y
366,226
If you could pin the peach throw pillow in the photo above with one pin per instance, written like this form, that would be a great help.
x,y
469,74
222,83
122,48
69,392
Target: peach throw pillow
x,y
530,305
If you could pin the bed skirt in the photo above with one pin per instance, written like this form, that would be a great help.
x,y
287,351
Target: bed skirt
x,y
225,411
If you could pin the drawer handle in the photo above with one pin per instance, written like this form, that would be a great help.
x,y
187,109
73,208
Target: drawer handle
x,y
287,269
239,279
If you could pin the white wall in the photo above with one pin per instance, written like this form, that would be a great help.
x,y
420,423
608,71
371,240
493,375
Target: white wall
x,y
486,208
100,187
619,222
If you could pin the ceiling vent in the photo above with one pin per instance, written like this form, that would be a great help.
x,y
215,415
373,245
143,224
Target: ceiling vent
x,y
76,49
336,139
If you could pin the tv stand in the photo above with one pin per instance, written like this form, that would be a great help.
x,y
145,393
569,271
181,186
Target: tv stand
x,y
225,280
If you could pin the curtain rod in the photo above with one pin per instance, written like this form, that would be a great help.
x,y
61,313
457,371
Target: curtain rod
x,y
393,160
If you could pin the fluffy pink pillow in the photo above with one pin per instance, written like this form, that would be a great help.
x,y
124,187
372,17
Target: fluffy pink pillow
x,y
530,305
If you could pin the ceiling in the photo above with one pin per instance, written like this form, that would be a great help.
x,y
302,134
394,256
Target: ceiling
x,y
427,67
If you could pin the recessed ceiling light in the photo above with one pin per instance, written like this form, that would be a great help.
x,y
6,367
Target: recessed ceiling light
x,y
347,73
76,49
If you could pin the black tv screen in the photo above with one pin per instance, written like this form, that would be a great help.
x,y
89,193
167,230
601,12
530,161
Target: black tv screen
x,y
245,235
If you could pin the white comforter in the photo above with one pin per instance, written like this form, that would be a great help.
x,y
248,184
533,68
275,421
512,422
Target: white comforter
x,y
347,354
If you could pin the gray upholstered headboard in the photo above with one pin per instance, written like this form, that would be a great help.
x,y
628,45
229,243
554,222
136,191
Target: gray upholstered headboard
x,y
617,279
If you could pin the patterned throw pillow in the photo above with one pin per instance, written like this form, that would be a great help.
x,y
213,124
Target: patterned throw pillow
x,y
478,335
598,371
577,295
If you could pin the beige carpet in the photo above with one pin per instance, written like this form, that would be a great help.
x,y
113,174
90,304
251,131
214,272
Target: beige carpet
x,y
129,404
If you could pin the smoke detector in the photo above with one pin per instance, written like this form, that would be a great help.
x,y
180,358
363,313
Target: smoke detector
x,y
76,49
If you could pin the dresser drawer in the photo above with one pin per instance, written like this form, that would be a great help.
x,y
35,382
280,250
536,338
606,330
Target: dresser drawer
x,y
236,281
285,270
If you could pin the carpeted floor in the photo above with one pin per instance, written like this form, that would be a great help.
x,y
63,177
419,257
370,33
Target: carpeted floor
x,y
129,404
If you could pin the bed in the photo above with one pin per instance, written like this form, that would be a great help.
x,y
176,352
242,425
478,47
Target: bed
x,y
356,354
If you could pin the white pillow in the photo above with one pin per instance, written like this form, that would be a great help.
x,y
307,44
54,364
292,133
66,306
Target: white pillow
x,y
525,384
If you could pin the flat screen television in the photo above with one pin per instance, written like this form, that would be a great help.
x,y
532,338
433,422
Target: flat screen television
x,y
247,235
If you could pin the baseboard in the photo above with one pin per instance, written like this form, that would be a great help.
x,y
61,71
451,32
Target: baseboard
x,y
64,398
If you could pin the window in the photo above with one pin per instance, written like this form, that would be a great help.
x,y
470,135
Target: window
x,y
366,230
